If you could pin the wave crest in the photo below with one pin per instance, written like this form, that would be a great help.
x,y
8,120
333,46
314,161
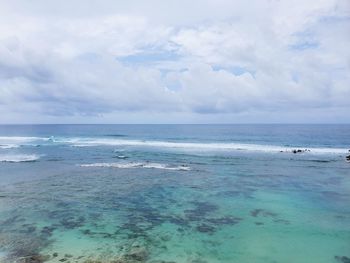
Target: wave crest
x,y
18,158
8,146
138,165
85,142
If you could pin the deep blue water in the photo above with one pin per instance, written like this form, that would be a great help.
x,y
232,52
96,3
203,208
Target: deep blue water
x,y
174,193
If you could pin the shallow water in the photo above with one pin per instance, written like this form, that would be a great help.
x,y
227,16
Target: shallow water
x,y
146,194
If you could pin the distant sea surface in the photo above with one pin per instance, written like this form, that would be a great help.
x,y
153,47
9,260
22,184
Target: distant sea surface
x,y
175,193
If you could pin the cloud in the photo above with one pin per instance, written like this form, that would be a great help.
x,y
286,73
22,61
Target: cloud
x,y
128,58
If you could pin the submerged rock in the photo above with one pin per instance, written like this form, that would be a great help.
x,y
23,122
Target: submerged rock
x,y
162,261
47,230
72,222
262,212
348,158
203,228
226,220
136,254
201,210
35,259
342,259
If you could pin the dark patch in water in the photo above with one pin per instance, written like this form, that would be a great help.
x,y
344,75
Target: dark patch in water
x,y
263,213
28,229
342,259
116,135
321,161
26,248
204,228
226,220
47,230
199,261
13,220
259,223
136,255
34,259
178,221
248,193
158,261
90,233
332,195
201,210
55,159
282,221
72,222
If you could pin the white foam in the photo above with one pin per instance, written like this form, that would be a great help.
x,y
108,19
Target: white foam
x,y
8,146
17,158
20,138
138,165
8,142
85,142
121,157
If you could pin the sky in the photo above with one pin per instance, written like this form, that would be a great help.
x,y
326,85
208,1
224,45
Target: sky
x,y
175,61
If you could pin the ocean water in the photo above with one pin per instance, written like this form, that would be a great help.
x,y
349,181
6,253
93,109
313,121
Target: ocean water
x,y
175,193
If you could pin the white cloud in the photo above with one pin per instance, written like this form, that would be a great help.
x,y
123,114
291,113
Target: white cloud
x,y
227,58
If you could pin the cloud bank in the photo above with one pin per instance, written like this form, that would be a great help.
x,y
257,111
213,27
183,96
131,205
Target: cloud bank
x,y
167,61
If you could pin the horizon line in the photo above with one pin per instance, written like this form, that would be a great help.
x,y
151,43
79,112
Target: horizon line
x,y
250,123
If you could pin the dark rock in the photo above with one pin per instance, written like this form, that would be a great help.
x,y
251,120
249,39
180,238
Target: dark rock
x,y
348,158
300,150
55,255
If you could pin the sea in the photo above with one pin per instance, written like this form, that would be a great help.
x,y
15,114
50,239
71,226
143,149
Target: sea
x,y
175,193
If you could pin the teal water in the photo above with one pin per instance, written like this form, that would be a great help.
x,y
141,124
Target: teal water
x,y
175,193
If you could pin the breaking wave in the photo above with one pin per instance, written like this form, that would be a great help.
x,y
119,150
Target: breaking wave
x,y
13,142
8,146
8,142
138,165
18,158
85,142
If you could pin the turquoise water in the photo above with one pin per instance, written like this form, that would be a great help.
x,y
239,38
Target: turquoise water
x,y
174,193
